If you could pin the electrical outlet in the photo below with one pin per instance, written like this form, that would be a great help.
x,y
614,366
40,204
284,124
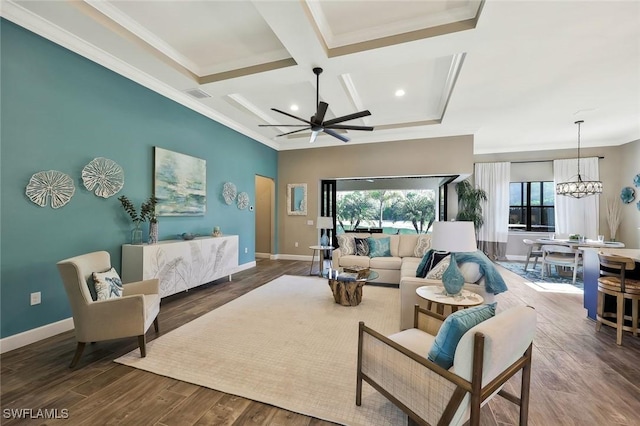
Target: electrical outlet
x,y
310,222
296,244
246,250
35,298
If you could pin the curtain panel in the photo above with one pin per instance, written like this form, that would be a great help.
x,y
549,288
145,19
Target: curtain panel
x,y
494,179
577,215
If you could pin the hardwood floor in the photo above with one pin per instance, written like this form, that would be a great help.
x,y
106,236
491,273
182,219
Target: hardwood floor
x,y
579,377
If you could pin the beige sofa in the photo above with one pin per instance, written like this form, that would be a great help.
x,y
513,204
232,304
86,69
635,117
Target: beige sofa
x,y
401,268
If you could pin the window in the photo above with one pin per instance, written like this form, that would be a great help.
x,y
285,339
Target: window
x,y
531,206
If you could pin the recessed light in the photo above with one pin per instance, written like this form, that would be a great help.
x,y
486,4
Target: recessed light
x,y
399,92
293,107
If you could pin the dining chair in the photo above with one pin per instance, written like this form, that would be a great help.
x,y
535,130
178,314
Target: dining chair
x,y
560,256
533,251
613,282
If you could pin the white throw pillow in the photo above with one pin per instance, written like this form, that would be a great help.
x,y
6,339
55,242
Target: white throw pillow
x,y
470,271
436,272
423,244
108,284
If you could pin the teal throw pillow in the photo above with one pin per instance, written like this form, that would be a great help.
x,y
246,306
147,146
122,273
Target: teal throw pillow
x,y
452,330
379,247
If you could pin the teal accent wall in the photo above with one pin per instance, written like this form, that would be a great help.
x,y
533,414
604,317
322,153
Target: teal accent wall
x,y
58,112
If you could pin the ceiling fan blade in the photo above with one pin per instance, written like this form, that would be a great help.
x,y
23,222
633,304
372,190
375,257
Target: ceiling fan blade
x,y
348,127
283,125
314,135
336,135
292,116
295,131
322,110
347,118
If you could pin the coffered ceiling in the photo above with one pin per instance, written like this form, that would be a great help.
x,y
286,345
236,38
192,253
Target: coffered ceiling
x,y
515,74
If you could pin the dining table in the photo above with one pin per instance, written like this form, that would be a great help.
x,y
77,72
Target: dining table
x,y
580,243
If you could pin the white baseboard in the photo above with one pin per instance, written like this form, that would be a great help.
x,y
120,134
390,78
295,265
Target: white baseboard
x,y
294,257
36,334
517,257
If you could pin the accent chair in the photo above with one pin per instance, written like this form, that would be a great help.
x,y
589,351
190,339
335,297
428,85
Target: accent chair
x,y
126,316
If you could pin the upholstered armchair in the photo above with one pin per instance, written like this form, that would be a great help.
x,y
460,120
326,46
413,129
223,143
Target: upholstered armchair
x,y
486,356
126,316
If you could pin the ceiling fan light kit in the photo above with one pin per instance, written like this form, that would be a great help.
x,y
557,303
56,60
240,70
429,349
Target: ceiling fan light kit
x,y
579,188
317,124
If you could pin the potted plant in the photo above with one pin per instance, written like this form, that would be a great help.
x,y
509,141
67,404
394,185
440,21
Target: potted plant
x,y
147,212
470,203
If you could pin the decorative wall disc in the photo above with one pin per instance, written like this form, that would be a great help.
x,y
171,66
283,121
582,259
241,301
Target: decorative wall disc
x,y
229,192
636,180
243,200
50,186
627,195
105,175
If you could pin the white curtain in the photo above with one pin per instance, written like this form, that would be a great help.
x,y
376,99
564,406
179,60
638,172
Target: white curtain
x,y
577,215
494,179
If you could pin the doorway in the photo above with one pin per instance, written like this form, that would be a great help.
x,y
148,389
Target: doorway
x,y
265,216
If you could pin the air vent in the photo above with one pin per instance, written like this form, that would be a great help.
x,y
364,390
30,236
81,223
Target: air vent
x,y
197,93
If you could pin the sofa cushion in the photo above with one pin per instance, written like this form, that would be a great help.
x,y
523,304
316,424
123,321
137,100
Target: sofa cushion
x,y
108,284
353,260
362,246
437,271
379,247
429,260
453,328
470,271
416,340
385,262
347,244
407,244
423,243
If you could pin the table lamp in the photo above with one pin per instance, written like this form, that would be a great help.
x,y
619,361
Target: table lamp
x,y
324,222
459,236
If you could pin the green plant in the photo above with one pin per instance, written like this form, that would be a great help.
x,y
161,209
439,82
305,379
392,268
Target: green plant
x,y
470,203
147,209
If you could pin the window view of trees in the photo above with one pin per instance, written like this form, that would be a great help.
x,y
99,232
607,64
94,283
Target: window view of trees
x,y
402,212
532,206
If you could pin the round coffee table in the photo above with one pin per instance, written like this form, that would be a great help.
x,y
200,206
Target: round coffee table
x,y
436,294
346,287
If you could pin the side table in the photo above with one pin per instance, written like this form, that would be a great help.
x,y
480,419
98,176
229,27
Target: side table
x,y
347,287
436,295
321,250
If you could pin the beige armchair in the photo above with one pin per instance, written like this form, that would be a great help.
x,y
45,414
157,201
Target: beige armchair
x,y
126,316
486,357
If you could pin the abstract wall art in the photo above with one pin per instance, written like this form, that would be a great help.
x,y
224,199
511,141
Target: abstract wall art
x,y
180,184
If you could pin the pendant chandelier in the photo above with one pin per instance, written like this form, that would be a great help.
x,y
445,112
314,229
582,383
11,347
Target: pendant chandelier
x,y
576,187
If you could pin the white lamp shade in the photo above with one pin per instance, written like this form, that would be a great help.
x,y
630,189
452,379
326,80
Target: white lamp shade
x,y
324,222
454,237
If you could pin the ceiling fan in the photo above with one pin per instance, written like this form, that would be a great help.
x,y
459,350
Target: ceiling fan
x,y
317,124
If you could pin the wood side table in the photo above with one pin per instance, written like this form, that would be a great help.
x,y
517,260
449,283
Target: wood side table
x,y
436,295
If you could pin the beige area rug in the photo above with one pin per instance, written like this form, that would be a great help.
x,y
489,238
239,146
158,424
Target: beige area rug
x,y
287,344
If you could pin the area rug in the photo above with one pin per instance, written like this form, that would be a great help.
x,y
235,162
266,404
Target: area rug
x,y
287,344
552,283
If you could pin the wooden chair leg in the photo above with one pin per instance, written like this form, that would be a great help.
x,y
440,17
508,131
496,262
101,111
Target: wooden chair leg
x,y
634,316
619,318
525,387
155,324
77,355
142,344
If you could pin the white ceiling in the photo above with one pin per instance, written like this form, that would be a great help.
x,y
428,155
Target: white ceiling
x,y
515,74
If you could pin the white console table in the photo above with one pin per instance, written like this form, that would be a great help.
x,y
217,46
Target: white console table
x,y
181,265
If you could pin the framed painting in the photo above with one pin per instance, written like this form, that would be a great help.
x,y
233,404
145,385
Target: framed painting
x,y
180,184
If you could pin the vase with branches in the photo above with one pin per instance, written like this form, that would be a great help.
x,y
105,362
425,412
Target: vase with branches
x,y
147,213
614,215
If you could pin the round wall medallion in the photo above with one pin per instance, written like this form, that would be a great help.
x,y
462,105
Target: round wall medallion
x,y
636,180
243,200
105,175
627,195
229,192
52,186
